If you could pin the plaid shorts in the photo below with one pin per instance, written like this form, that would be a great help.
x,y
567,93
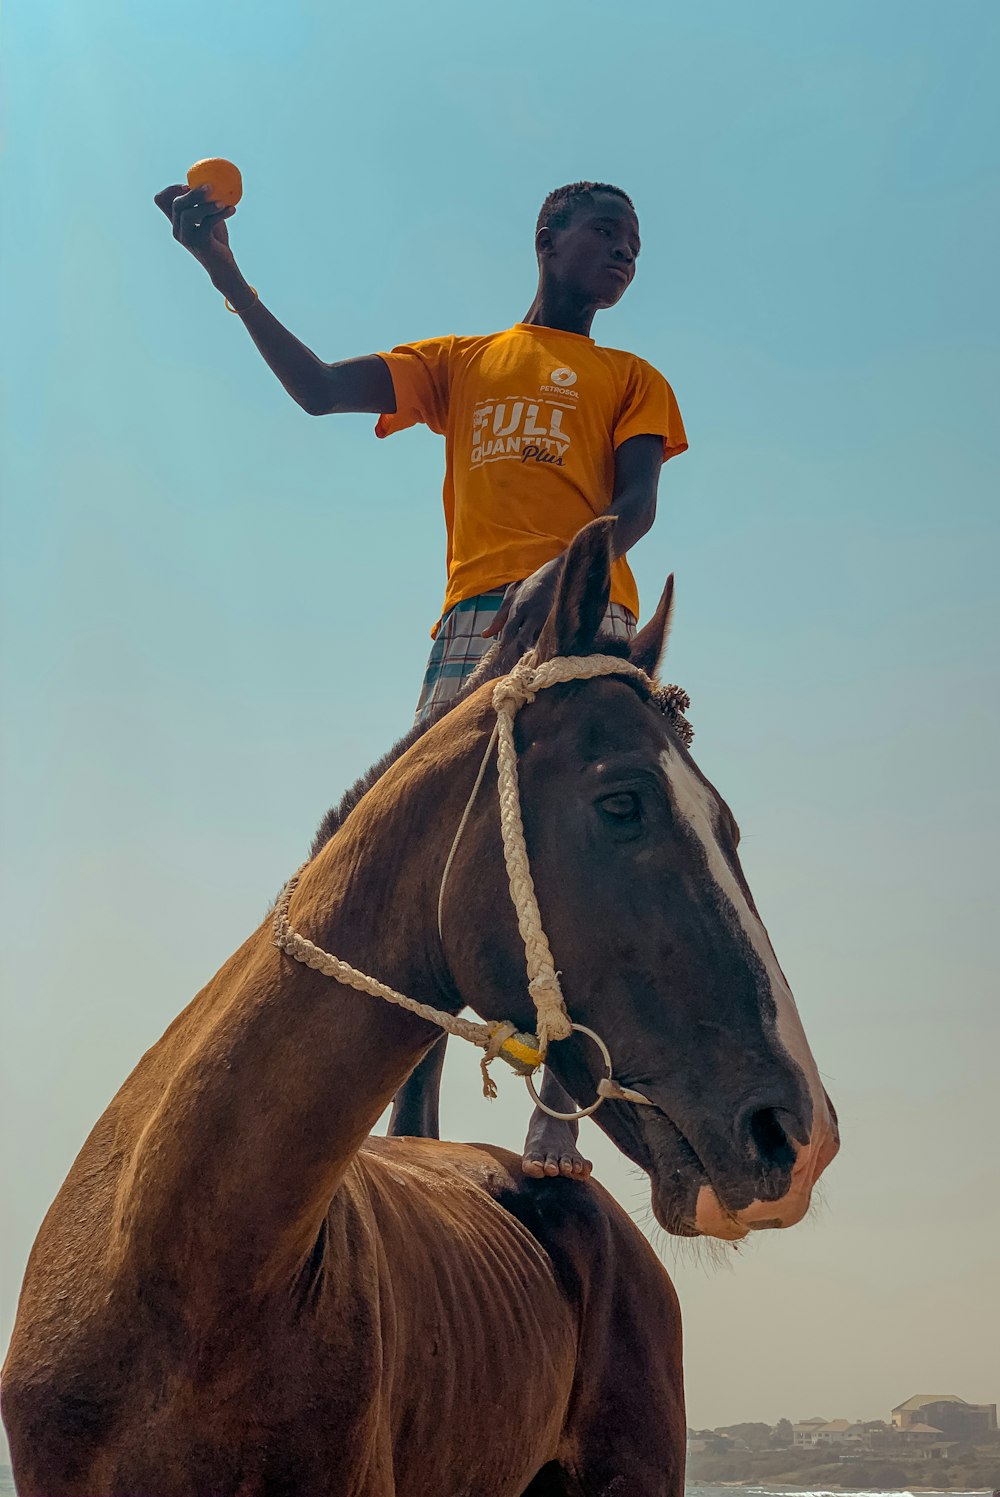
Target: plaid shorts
x,y
460,646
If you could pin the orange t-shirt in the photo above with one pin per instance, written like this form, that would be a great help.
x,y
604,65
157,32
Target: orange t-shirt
x,y
531,418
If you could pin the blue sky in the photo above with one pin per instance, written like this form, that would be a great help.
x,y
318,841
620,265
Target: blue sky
x,y
216,609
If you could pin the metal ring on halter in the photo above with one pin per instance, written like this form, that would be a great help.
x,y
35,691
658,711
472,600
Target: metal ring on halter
x,y
582,1112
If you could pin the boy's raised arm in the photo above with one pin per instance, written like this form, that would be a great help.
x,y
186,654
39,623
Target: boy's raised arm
x,y
363,384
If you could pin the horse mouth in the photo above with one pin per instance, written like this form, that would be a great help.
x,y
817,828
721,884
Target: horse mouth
x,y
727,1197
653,1141
688,1200
730,1201
677,1175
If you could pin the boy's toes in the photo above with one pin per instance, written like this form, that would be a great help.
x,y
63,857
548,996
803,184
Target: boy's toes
x,y
550,1151
542,1165
546,1165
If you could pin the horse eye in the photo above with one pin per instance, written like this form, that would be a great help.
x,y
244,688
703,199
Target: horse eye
x,y
621,809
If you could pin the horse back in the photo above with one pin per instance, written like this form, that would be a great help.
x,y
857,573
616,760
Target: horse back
x,y
447,1302
626,1371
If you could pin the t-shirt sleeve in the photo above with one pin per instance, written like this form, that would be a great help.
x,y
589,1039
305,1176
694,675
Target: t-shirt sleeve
x,y
649,408
420,380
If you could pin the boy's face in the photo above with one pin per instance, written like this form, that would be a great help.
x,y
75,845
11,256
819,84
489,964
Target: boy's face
x,y
594,255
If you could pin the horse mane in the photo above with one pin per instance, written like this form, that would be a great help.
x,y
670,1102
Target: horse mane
x,y
338,814
492,667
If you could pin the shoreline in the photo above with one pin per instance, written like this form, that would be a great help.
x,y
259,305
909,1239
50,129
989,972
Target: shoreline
x,y
755,1484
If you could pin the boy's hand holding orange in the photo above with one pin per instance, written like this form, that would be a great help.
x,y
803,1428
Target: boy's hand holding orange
x,y
221,177
198,213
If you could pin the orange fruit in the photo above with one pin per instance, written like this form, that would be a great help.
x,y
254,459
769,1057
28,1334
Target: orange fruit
x,y
219,174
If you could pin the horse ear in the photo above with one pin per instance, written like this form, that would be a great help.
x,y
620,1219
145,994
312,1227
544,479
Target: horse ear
x,y
582,596
646,650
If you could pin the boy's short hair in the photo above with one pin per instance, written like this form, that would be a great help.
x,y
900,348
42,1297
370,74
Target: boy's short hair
x,y
562,202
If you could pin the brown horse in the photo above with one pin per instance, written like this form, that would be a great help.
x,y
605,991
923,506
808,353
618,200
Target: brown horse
x,y
239,1293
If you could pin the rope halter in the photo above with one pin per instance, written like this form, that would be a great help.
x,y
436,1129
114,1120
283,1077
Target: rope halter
x,y
525,1053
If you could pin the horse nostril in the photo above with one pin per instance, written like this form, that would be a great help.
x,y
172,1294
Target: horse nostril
x,y
768,1131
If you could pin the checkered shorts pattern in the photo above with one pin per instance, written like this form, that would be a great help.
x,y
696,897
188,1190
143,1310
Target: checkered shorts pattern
x,y
460,646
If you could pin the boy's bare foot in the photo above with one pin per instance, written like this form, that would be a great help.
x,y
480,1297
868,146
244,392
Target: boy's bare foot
x,y
550,1150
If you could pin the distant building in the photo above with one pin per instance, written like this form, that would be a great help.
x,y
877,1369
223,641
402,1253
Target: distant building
x,y
810,1433
804,1433
844,1434
945,1414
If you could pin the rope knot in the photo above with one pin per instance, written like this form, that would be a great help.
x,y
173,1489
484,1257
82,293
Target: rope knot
x,y
513,691
498,1036
553,1021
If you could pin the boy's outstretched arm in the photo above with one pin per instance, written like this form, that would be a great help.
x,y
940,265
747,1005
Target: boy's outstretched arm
x,y
363,384
638,464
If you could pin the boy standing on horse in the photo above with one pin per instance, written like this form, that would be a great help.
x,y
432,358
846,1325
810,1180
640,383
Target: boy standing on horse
x,y
544,430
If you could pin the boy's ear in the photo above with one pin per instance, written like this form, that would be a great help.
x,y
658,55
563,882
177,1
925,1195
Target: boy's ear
x,y
582,596
646,650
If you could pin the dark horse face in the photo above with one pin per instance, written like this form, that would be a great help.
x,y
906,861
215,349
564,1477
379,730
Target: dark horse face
x,y
658,940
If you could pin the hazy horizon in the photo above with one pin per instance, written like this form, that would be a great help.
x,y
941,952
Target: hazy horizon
x,y
216,610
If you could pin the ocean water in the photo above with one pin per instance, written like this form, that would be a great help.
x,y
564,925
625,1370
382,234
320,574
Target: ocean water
x,y
701,1489
695,1489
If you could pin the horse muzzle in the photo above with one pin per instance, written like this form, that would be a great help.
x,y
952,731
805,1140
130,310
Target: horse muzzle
x,y
713,1219
708,1192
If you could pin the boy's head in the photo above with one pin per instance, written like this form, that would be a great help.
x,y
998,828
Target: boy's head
x,y
587,240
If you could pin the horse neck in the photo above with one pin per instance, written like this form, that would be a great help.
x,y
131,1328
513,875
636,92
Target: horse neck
x,y
265,1089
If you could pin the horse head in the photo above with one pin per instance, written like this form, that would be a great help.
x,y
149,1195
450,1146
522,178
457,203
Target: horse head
x,y
653,928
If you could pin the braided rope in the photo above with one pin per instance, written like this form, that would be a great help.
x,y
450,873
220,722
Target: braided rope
x,y
311,955
523,1052
509,695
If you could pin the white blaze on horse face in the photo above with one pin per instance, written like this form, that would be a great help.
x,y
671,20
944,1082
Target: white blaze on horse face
x,y
695,804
